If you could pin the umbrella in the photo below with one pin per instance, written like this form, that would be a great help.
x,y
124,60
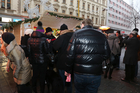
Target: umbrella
x,y
104,28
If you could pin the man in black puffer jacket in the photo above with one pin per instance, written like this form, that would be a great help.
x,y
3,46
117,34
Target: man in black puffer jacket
x,y
87,49
38,48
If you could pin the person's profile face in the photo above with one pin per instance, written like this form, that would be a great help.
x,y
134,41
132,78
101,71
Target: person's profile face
x,y
117,34
3,47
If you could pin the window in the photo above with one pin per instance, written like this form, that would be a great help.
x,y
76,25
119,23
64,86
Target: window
x,y
83,16
71,2
103,2
71,13
63,11
92,19
64,1
8,4
92,8
102,22
88,7
56,10
96,20
97,9
3,4
83,5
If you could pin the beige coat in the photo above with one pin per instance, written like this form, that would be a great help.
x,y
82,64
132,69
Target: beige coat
x,y
22,69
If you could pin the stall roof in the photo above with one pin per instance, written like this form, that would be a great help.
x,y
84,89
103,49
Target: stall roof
x,y
55,20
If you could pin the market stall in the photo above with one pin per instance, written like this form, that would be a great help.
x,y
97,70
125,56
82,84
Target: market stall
x,y
49,19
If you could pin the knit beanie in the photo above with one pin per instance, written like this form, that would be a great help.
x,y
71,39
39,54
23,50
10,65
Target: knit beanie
x,y
40,28
8,37
48,29
63,27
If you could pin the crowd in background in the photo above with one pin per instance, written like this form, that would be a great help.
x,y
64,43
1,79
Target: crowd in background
x,y
77,55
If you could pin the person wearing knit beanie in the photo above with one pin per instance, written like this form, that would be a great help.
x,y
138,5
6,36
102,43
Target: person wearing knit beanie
x,y
40,28
8,37
63,27
48,29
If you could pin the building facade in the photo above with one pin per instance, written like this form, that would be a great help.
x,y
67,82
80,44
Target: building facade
x,y
118,13
13,10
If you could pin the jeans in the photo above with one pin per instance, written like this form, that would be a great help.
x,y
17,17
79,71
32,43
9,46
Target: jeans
x,y
69,86
86,83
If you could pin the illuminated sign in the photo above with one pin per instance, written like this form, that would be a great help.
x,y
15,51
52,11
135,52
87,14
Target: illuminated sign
x,y
4,19
16,20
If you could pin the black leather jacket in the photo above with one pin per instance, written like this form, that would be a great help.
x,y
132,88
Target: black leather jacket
x,y
38,48
87,49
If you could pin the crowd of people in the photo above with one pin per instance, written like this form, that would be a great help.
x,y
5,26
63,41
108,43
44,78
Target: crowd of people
x,y
75,55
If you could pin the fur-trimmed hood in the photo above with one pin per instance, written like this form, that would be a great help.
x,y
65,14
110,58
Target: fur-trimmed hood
x,y
65,31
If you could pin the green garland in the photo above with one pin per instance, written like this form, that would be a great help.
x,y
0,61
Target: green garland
x,y
12,24
54,14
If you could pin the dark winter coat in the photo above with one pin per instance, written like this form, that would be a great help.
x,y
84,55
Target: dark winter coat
x,y
131,53
24,43
24,39
38,48
87,49
60,45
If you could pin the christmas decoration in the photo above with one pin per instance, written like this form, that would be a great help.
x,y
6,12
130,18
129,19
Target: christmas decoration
x,y
31,11
49,7
54,14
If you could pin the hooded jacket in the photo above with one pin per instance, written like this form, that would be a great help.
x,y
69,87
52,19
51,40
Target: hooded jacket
x,y
87,49
60,45
38,48
22,69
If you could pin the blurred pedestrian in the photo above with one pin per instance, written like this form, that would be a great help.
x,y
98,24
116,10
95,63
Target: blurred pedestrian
x,y
50,39
22,70
121,44
138,36
87,49
24,41
131,56
60,45
38,50
115,49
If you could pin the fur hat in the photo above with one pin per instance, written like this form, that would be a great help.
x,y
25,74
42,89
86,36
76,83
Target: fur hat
x,y
8,37
136,29
40,28
63,27
134,32
28,31
48,29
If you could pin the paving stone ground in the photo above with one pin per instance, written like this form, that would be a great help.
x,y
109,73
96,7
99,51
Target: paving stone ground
x,y
115,85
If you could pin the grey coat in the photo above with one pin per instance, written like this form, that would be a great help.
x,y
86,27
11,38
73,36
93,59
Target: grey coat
x,y
116,47
131,53
22,69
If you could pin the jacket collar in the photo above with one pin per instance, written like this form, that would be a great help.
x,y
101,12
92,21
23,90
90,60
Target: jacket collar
x,y
37,34
65,31
11,46
88,26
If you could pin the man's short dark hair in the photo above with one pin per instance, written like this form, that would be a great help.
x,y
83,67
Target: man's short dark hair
x,y
87,22
39,23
